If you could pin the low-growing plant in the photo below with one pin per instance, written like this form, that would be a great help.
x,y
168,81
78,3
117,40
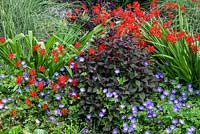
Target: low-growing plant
x,y
113,73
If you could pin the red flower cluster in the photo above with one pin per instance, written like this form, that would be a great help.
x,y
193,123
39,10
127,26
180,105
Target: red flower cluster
x,y
171,37
2,39
156,31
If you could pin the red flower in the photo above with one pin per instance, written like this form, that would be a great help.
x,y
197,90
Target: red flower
x,y
74,82
136,5
171,38
189,38
155,31
60,47
31,80
183,8
1,102
167,23
64,111
28,101
19,79
90,51
197,36
154,13
40,85
2,39
41,69
151,49
18,63
11,55
198,5
32,72
55,52
153,5
45,105
70,61
101,47
62,78
193,47
43,51
75,65
76,96
112,24
36,47
33,93
55,87
181,33
13,112
77,44
56,59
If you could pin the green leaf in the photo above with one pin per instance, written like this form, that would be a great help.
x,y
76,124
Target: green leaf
x,y
40,131
15,130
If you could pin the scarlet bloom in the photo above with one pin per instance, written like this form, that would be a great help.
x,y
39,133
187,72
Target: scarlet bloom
x,y
183,8
90,51
28,101
41,69
77,45
45,105
60,47
75,65
155,31
55,52
101,47
193,47
197,36
112,24
151,49
55,87
56,59
76,96
43,51
62,78
2,39
64,111
198,5
181,33
40,85
70,61
32,72
1,102
189,38
33,93
11,55
19,79
74,82
167,24
36,47
13,112
18,63
31,80
171,38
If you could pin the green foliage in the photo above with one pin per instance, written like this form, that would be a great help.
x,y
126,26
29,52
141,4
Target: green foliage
x,y
15,130
40,131
118,66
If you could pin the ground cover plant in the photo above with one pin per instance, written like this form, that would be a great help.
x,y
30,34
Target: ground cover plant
x,y
134,72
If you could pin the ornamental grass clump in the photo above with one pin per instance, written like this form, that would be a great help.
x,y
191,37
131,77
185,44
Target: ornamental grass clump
x,y
112,73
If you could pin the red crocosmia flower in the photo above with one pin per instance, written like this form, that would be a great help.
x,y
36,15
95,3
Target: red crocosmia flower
x,y
81,52
1,102
28,101
153,5
55,52
32,72
31,81
101,47
11,55
155,31
41,69
112,24
90,51
18,63
64,111
70,61
75,65
45,105
183,8
13,112
167,23
19,79
33,93
62,78
151,49
2,39
181,33
36,47
60,47
43,51
154,13
55,87
171,38
76,96
96,8
74,82
193,47
189,38
40,85
77,45
56,59
198,5
197,36
136,5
